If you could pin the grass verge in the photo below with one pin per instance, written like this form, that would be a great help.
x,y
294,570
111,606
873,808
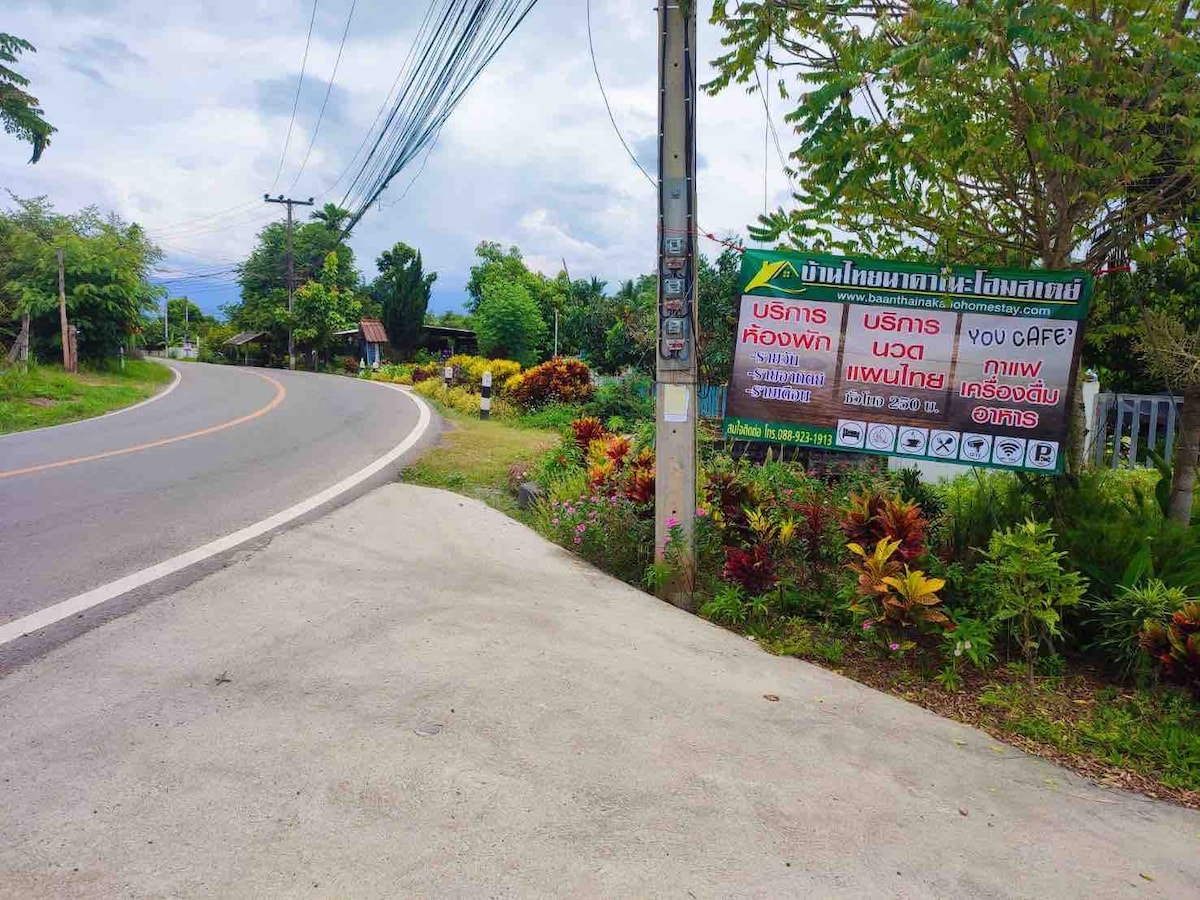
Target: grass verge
x,y
474,458
46,395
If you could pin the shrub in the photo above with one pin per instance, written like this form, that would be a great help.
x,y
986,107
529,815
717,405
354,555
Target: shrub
x,y
462,400
1175,646
587,430
871,518
630,398
753,570
556,380
976,505
1119,620
349,365
1030,585
889,593
611,532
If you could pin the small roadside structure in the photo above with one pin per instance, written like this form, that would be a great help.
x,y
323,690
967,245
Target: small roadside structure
x,y
441,339
245,341
372,341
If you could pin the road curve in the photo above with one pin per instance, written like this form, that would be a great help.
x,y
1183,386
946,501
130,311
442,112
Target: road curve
x,y
87,504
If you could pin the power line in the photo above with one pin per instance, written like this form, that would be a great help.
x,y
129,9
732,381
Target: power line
x,y
296,101
328,90
607,106
451,50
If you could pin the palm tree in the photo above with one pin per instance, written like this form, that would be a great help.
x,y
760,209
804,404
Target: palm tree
x,y
332,215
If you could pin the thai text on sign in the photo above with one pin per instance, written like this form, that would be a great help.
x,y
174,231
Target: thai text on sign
x,y
964,365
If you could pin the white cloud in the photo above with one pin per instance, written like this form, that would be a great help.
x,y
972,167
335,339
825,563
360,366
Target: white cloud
x,y
162,118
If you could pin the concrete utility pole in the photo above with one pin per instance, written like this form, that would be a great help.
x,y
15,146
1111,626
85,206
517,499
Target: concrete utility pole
x,y
291,275
676,367
68,357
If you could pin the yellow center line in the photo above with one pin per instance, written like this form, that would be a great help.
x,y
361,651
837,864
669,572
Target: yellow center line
x,y
280,393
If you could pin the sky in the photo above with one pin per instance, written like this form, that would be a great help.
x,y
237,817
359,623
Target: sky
x,y
174,115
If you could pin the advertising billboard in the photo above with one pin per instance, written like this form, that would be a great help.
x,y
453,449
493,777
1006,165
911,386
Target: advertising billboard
x,y
963,365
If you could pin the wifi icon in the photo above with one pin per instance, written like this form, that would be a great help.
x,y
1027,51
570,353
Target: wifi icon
x,y
1008,451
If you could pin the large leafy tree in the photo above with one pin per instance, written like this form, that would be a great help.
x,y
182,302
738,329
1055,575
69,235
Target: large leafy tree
x,y
496,263
262,277
402,291
509,324
19,110
1051,134
323,306
107,264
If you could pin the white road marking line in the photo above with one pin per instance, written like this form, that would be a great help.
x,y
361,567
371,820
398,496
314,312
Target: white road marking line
x,y
116,412
81,602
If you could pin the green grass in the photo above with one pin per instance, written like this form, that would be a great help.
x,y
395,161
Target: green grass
x,y
1152,733
474,458
46,395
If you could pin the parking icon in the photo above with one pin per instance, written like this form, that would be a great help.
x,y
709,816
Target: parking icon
x,y
1042,454
851,433
943,444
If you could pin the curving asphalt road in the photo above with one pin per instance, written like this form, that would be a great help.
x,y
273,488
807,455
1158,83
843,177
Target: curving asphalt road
x,y
85,504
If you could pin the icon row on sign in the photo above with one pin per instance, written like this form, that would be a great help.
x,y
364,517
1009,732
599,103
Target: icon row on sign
x,y
935,443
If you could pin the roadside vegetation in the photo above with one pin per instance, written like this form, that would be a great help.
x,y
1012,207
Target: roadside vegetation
x,y
46,395
1057,614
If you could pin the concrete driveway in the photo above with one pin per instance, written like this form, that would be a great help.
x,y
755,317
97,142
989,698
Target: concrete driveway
x,y
416,696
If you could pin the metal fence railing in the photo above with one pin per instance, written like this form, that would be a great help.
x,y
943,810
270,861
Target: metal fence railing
x,y
1127,426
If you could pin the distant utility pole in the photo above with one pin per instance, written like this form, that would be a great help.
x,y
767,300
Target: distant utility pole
x,y
291,275
676,368
166,332
68,356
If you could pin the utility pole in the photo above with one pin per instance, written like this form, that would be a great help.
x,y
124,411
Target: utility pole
x,y
291,275
676,364
68,358
166,331
185,320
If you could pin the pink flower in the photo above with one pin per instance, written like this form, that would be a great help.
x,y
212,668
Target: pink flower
x,y
894,646
580,528
554,521
578,540
700,512
672,521
867,625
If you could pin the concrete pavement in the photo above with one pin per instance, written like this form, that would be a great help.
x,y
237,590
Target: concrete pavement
x,y
415,696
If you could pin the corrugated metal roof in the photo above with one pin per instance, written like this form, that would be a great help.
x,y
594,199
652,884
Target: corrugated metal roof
x,y
373,331
244,337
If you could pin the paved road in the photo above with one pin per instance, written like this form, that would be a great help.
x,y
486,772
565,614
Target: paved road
x,y
417,697
228,447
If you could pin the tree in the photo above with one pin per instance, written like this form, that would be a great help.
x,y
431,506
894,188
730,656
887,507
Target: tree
x,y
323,306
719,307
509,324
508,265
1022,133
1170,347
107,266
402,292
263,304
331,216
19,110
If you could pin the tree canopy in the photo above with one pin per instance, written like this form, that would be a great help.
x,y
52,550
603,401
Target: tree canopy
x,y
402,291
263,276
1001,131
19,110
107,264
508,323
